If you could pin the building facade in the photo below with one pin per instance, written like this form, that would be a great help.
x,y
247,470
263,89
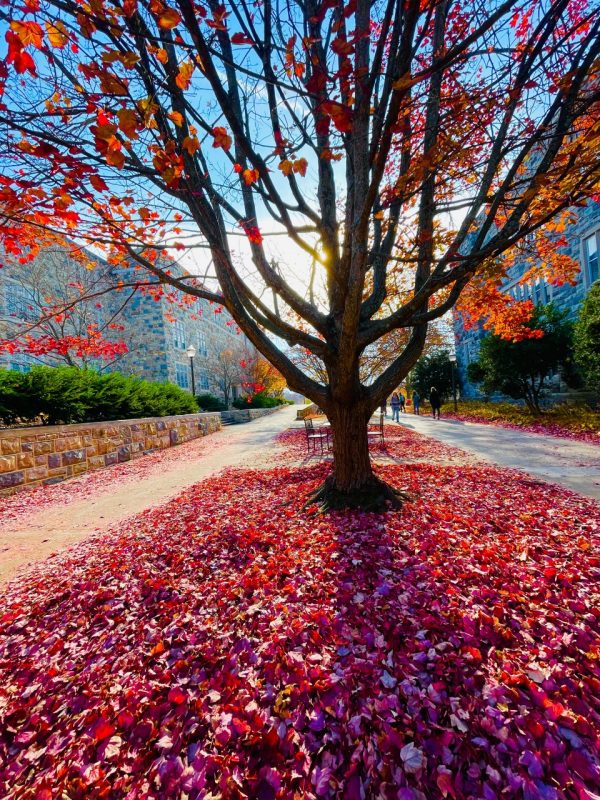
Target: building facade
x,y
583,244
157,327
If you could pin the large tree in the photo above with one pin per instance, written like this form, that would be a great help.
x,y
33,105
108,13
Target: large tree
x,y
400,146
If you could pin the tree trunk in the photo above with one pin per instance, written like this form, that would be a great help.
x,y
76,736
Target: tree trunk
x,y
352,483
351,461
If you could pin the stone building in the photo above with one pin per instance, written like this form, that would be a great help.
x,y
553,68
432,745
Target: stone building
x,y
583,244
157,332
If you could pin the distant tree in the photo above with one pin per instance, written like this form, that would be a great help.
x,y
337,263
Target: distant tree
x,y
229,372
586,339
262,376
521,369
60,309
434,369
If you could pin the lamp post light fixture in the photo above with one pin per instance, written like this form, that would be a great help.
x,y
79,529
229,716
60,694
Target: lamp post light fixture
x,y
191,352
452,367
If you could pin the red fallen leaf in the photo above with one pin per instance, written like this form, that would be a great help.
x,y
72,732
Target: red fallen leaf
x,y
177,696
125,719
445,783
92,773
102,729
473,652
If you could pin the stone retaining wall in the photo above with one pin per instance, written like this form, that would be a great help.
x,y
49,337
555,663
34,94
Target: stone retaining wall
x,y
31,457
238,415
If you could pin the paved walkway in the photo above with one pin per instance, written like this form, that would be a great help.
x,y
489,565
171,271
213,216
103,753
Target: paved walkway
x,y
41,533
575,465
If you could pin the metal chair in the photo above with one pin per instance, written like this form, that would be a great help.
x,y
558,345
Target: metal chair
x,y
378,433
315,435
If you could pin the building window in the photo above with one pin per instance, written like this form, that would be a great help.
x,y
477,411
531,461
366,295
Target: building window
x,y
178,335
539,292
202,348
181,375
18,302
590,254
203,377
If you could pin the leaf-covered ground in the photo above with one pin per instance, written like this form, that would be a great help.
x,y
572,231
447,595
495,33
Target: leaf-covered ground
x,y
230,645
579,423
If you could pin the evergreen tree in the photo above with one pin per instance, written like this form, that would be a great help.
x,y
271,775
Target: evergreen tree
x,y
521,369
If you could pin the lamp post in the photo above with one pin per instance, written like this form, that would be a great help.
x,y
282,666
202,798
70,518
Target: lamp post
x,y
191,352
452,366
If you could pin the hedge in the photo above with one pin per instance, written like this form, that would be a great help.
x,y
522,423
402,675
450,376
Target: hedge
x,y
260,400
55,395
210,402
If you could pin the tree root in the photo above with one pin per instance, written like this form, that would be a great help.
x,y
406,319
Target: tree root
x,y
375,496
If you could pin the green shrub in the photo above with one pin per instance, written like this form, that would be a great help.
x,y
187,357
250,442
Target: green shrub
x,y
260,400
67,394
15,402
209,402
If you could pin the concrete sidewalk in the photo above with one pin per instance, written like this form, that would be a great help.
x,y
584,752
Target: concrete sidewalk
x,y
575,465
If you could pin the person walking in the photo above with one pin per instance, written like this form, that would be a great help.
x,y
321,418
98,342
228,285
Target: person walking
x,y
402,403
436,403
416,402
396,405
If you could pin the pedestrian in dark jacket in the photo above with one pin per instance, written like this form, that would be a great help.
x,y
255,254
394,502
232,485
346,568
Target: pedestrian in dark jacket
x,y
416,398
436,403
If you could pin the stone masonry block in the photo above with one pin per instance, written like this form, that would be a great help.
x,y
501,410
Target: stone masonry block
x,y
40,448
95,462
26,460
11,479
8,463
73,456
36,474
54,473
9,446
111,458
124,454
54,460
78,469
